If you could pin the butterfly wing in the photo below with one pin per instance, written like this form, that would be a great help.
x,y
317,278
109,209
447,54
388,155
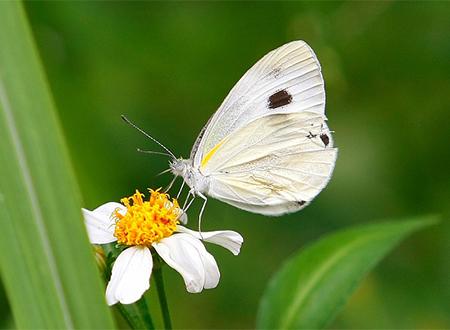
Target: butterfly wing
x,y
276,164
268,148
286,80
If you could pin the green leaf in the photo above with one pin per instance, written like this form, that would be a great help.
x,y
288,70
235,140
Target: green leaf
x,y
46,261
313,286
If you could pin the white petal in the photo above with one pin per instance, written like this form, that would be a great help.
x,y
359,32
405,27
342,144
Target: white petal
x,y
228,239
100,224
130,276
189,257
212,274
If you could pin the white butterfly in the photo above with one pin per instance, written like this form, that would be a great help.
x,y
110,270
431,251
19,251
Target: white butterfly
x,y
267,149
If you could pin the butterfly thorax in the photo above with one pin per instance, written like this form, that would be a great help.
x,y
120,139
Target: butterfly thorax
x,y
192,176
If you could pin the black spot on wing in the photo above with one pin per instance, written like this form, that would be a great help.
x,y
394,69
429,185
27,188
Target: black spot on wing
x,y
279,99
301,203
325,139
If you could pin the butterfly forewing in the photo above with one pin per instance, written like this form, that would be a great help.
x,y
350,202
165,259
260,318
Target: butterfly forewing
x,y
286,80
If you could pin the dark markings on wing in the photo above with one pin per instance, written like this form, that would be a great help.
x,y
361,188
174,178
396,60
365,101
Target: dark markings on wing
x,y
311,135
279,99
276,72
325,139
301,203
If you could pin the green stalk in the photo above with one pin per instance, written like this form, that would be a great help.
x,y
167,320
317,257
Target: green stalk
x,y
137,315
158,276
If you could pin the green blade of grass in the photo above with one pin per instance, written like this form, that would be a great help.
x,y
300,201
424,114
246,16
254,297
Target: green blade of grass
x,y
46,261
312,287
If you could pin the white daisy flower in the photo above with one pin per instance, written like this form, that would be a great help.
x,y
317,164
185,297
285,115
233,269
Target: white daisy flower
x,y
153,224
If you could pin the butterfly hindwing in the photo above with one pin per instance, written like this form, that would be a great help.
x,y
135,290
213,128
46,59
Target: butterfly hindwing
x,y
273,165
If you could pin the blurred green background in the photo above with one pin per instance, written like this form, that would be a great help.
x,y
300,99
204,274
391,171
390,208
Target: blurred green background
x,y
168,66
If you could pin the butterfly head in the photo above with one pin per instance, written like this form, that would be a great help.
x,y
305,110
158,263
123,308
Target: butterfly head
x,y
180,167
192,176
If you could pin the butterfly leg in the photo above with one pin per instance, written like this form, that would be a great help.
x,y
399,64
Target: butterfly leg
x,y
189,205
171,184
183,217
186,205
181,189
205,199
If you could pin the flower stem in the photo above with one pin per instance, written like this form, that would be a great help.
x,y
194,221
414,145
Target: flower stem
x,y
158,276
137,315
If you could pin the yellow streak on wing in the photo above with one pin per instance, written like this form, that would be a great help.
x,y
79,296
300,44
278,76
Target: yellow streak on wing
x,y
208,156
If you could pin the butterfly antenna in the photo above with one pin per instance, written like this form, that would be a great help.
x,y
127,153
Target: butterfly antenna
x,y
153,152
125,119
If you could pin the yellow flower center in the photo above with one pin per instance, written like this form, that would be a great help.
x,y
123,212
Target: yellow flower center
x,y
146,222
